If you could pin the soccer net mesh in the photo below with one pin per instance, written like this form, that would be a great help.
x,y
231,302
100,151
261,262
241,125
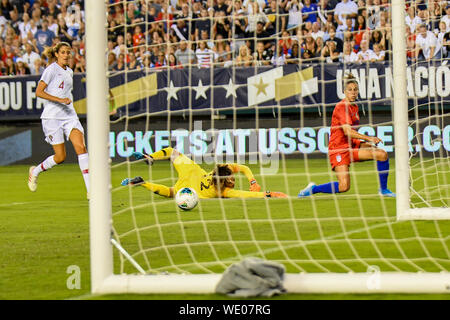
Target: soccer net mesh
x,y
186,75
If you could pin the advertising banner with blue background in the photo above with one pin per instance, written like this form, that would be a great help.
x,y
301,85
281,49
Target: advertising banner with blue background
x,y
307,85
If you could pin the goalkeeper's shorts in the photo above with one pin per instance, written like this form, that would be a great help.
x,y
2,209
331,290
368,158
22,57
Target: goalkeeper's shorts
x,y
189,173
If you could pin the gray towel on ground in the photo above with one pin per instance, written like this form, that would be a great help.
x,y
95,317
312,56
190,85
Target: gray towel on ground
x,y
252,277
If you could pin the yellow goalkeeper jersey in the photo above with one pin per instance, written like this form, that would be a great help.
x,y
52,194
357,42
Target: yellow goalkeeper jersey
x,y
191,175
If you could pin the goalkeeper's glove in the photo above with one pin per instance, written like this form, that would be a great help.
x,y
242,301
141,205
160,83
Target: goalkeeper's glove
x,y
140,156
134,182
254,186
275,194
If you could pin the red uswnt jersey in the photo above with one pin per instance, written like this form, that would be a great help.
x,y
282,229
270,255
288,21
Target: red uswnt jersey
x,y
344,113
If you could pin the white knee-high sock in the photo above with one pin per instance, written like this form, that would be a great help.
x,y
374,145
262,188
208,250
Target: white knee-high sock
x,y
83,161
44,166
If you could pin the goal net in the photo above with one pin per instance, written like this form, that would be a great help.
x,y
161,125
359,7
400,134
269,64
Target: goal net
x,y
170,83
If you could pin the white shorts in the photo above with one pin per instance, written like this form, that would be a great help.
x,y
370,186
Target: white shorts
x,y
55,130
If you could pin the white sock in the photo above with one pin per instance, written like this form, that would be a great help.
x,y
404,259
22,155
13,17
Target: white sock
x,y
44,166
83,161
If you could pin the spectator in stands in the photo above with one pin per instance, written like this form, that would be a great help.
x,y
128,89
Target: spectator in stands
x,y
440,36
295,17
24,26
427,45
80,66
209,41
44,37
379,53
221,25
262,56
345,9
377,37
316,31
138,36
30,56
6,7
279,59
276,16
348,55
22,68
180,30
221,6
184,54
285,42
311,46
112,63
133,63
147,62
173,62
433,15
10,67
325,12
205,56
256,17
329,52
120,66
294,55
410,44
203,24
161,60
222,50
247,4
332,37
244,58
38,67
446,18
309,11
411,19
365,54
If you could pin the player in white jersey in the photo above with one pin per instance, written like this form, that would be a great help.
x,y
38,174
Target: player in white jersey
x,y
59,118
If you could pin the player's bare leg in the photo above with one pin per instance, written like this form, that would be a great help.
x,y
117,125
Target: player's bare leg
x,y
77,139
343,177
50,162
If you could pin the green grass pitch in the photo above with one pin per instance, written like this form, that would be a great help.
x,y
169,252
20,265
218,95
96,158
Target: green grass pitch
x,y
42,234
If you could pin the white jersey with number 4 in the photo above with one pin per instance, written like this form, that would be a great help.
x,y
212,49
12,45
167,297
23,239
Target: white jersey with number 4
x,y
59,84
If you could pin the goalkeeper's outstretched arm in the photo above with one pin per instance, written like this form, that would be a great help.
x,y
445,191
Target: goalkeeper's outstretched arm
x,y
233,193
235,167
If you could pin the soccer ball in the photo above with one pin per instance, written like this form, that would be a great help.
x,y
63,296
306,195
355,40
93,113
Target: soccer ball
x,y
186,199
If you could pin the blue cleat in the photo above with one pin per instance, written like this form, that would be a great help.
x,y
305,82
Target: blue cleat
x,y
134,182
143,156
138,155
386,193
307,191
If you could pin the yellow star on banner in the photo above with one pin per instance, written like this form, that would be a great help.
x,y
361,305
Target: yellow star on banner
x,y
261,86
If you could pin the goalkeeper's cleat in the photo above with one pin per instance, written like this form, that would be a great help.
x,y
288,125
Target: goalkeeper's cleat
x,y
32,180
386,193
139,156
134,182
307,191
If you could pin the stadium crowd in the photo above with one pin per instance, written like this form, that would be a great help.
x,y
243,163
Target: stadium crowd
x,y
146,34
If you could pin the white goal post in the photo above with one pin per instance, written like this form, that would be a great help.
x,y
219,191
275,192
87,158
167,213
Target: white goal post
x,y
103,279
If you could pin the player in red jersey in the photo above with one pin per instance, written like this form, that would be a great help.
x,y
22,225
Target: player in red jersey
x,y
347,146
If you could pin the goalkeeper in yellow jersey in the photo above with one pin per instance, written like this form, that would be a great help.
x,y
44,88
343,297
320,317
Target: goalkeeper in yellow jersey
x,y
219,183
